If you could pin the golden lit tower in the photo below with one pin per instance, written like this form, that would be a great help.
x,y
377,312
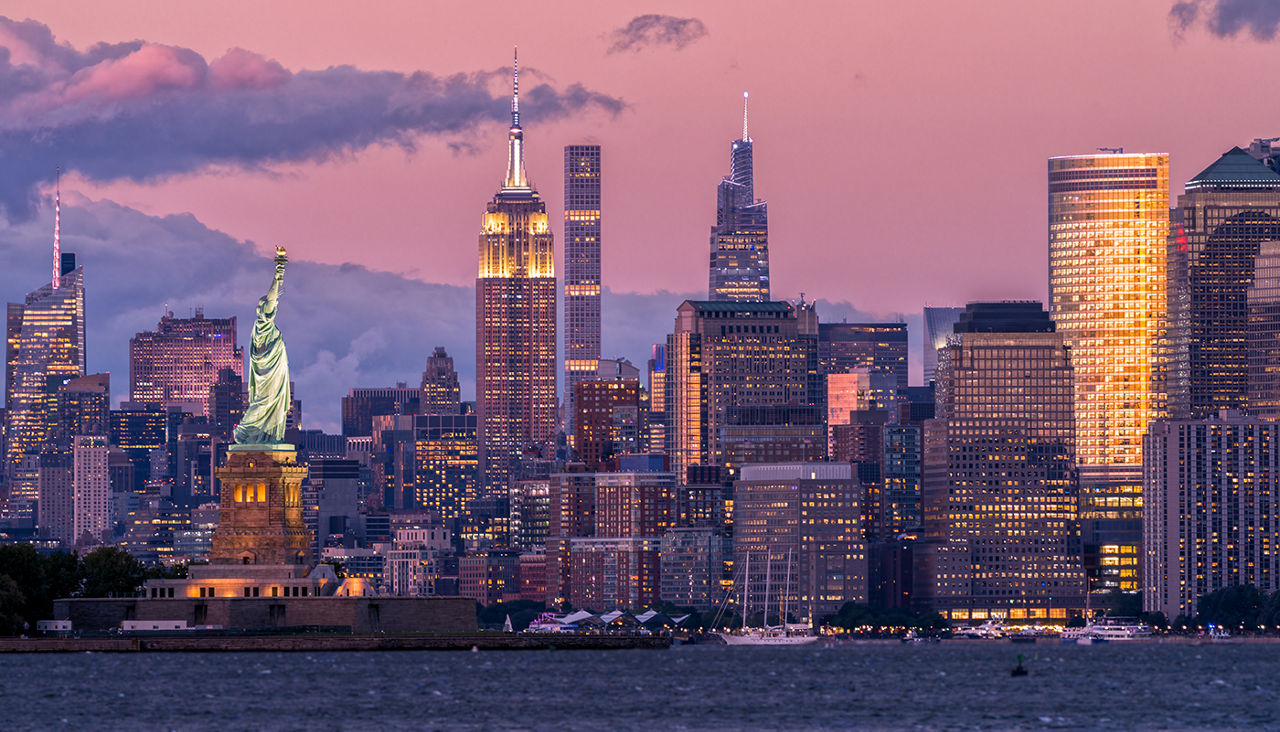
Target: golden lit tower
x,y
1108,226
515,321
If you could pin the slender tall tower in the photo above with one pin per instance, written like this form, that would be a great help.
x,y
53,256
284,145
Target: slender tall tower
x,y
45,339
515,321
740,238
1108,226
581,269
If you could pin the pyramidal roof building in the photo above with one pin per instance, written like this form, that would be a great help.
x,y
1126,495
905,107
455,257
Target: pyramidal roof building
x,y
1229,210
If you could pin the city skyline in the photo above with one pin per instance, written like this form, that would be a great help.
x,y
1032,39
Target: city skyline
x,y
349,357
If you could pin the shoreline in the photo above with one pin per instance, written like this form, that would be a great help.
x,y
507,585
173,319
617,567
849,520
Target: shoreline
x,y
214,643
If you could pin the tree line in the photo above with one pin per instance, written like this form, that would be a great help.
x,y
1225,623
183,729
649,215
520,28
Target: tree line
x,y
30,580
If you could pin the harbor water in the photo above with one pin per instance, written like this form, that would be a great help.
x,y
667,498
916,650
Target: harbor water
x,y
876,685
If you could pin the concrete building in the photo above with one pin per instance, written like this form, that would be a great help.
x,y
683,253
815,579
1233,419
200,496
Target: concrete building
x,y
176,364
446,465
91,485
802,520
1001,537
362,404
877,347
582,248
694,567
609,416
440,391
1212,513
727,355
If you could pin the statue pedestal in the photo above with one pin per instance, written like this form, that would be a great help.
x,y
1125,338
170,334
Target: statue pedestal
x,y
260,521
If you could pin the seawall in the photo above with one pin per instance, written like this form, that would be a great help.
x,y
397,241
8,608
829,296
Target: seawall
x,y
305,642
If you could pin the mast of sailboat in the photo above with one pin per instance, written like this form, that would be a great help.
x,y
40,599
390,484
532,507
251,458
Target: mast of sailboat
x,y
786,594
768,564
746,584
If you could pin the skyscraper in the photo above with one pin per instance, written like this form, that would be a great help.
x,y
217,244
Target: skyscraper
x,y
1227,212
1108,229
175,364
1212,512
45,338
880,347
581,269
999,493
739,265
938,323
733,355
515,321
91,485
440,391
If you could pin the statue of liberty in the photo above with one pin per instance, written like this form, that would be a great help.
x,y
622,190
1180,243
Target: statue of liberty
x,y
269,397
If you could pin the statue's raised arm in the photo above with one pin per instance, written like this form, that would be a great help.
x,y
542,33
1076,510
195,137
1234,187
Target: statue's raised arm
x,y
269,397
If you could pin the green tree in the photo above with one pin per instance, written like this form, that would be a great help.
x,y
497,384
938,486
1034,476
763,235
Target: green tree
x,y
1232,607
40,579
12,605
112,572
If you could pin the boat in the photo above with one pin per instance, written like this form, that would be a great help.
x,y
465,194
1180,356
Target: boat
x,y
786,634
1106,632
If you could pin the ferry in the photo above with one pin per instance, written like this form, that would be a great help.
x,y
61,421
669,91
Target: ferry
x,y
1094,633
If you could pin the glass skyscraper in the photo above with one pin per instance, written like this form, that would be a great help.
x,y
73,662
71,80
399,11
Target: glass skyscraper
x,y
515,323
45,345
581,270
938,323
739,264
1108,226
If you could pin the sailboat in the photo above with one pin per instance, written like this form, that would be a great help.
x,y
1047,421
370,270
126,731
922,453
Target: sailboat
x,y
786,634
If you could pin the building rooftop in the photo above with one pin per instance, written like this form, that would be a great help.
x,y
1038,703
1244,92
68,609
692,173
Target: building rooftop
x,y
1235,169
726,306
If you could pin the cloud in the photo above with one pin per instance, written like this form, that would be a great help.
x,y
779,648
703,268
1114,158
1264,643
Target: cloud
x,y
143,111
1228,18
656,30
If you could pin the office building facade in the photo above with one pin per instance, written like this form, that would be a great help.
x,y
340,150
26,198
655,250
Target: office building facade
x,y
739,265
582,229
177,363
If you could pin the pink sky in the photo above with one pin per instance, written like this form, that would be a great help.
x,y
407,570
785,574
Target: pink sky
x,y
901,146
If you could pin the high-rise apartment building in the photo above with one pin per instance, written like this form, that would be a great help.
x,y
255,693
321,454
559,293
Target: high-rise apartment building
x,y
440,391
1108,231
938,323
733,355
1212,513
581,270
739,266
656,419
92,522
45,344
1229,210
797,526
1262,337
515,322
175,364
1001,537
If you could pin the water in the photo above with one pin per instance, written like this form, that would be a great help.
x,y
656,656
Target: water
x,y
878,685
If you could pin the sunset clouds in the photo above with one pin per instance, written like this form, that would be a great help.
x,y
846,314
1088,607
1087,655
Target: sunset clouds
x,y
143,111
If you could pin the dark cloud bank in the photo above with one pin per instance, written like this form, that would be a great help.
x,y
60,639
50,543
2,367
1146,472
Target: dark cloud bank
x,y
143,111
1228,18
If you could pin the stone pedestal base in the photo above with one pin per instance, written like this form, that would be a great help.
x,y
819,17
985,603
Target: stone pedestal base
x,y
260,520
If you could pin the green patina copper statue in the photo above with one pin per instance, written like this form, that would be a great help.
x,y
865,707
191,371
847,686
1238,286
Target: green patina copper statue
x,y
269,398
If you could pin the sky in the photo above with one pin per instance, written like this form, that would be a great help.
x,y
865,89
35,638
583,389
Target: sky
x,y
901,147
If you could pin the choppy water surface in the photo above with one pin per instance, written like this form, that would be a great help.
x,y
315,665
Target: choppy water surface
x,y
881,685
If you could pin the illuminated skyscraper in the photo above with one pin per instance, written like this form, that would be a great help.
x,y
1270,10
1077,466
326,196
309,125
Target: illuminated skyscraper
x,y
515,322
740,238
734,355
45,339
581,270
175,364
440,392
1229,209
999,490
1108,230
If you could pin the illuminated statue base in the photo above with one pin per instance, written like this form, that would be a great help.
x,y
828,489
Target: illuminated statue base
x,y
260,521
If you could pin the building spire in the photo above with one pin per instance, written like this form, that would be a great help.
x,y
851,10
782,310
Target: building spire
x,y
57,228
515,87
744,117
516,177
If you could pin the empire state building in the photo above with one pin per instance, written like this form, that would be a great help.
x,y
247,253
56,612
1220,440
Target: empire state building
x,y
515,321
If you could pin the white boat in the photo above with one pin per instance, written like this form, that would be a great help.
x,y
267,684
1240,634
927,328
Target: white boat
x,y
1105,632
787,634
